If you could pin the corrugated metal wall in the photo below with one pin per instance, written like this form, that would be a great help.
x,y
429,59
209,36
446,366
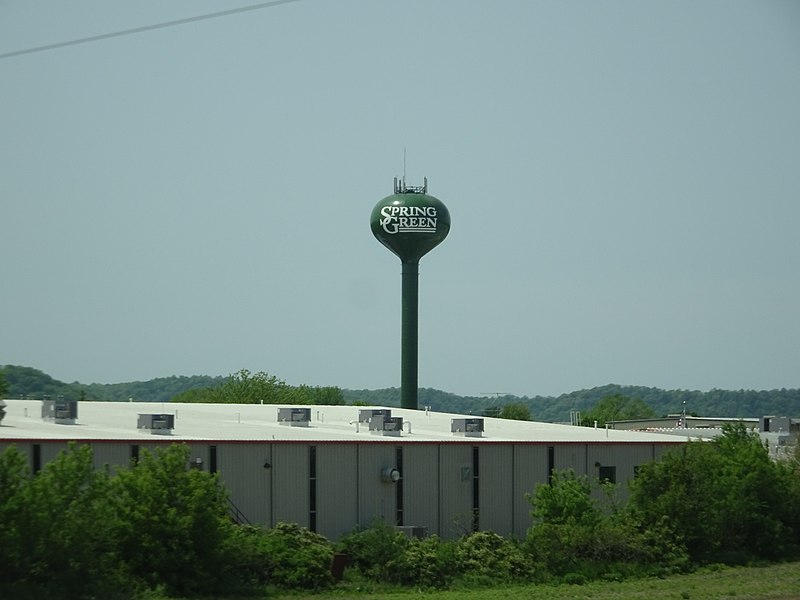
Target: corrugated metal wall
x,y
496,498
337,485
115,456
455,490
290,483
421,486
623,458
530,469
272,481
376,498
246,470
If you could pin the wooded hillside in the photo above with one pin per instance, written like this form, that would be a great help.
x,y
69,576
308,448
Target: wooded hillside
x,y
30,382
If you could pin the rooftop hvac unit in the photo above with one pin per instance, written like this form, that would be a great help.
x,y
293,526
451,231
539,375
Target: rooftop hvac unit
x,y
365,414
61,412
294,417
382,425
770,424
469,427
2,410
157,424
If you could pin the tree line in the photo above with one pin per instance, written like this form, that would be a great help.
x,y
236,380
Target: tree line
x,y
244,387
27,382
160,526
557,409
32,383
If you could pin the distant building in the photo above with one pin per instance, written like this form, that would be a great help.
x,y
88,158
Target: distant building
x,y
780,433
333,468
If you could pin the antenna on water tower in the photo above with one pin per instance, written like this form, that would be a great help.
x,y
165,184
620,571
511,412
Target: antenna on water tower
x,y
410,223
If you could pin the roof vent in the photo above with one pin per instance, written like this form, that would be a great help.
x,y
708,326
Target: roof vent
x,y
365,414
61,412
157,424
383,425
294,417
471,427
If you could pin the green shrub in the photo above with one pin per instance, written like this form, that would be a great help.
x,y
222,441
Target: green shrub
x,y
372,549
490,557
728,500
56,529
425,563
383,554
572,535
171,522
575,579
296,557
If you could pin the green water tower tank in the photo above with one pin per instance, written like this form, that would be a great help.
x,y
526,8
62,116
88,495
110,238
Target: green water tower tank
x,y
410,223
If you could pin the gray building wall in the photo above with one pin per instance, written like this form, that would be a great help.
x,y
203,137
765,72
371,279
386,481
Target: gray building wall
x,y
530,469
421,486
290,484
377,500
334,487
337,482
496,493
455,489
247,470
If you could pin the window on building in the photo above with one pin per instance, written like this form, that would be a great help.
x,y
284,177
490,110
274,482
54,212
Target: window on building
x,y
37,458
134,453
476,504
399,485
212,459
607,474
312,488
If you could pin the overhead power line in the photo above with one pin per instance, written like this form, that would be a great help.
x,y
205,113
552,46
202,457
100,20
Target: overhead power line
x,y
106,36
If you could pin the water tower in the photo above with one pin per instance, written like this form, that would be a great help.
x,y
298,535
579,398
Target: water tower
x,y
410,223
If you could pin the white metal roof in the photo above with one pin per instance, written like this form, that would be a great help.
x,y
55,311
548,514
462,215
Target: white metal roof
x,y
100,421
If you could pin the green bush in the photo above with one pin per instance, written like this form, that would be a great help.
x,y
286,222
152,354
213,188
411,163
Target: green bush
x,y
56,529
487,556
573,535
371,550
296,557
171,522
425,563
383,554
727,499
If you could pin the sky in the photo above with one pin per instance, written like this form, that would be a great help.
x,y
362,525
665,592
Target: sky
x,y
623,181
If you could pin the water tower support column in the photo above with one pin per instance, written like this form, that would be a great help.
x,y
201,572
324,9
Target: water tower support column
x,y
409,355
410,223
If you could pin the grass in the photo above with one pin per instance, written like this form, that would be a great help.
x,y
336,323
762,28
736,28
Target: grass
x,y
773,582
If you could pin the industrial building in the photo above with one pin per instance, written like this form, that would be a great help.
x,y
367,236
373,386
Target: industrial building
x,y
334,468
780,434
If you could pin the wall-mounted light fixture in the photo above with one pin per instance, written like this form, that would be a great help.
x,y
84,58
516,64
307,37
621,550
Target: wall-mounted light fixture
x,y
267,464
390,475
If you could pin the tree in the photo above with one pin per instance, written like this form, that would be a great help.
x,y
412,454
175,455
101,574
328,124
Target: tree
x,y
55,532
244,387
573,533
201,395
516,411
617,407
3,385
172,522
725,499
565,500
